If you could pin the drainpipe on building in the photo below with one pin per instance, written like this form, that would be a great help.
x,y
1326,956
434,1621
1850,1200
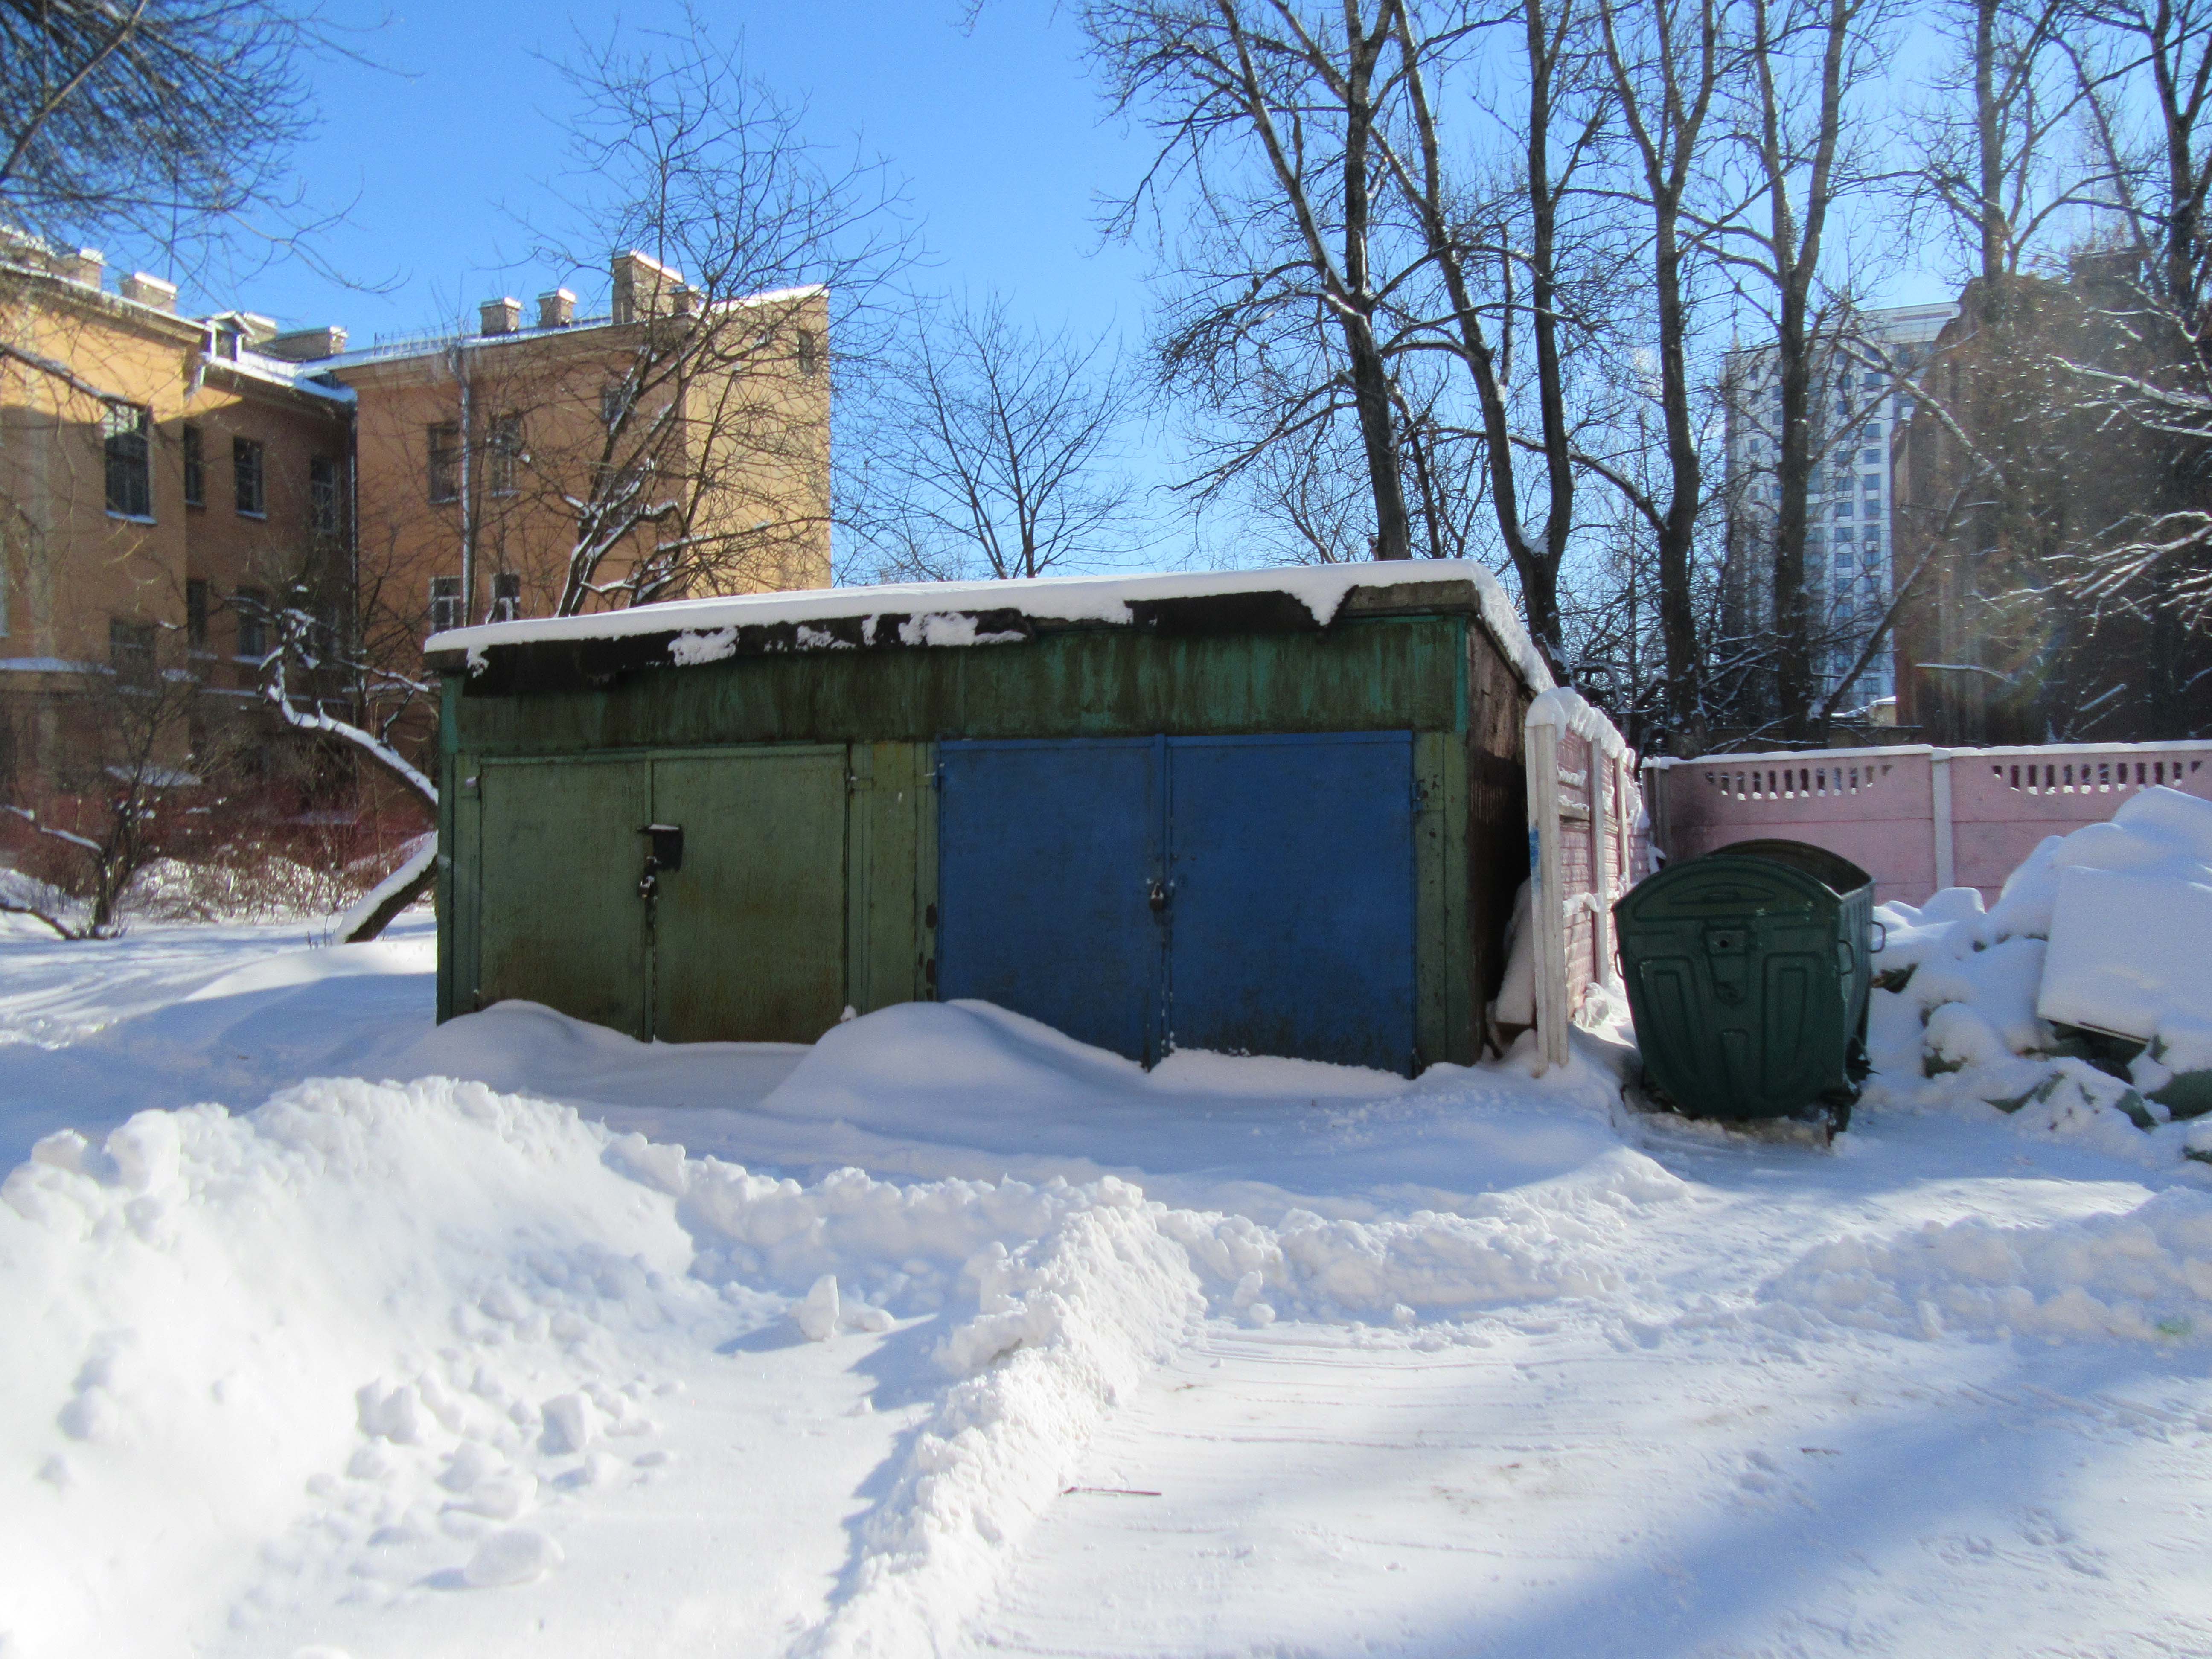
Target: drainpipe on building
x,y
352,531
468,515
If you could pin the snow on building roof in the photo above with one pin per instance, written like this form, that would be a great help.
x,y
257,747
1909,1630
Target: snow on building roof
x,y
437,342
282,371
946,613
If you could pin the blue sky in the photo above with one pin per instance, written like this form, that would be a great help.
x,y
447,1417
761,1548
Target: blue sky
x,y
998,131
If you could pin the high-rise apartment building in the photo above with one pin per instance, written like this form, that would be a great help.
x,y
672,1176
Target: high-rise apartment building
x,y
1849,541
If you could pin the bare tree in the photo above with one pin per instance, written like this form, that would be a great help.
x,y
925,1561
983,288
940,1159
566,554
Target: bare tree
x,y
704,466
992,450
2155,562
1521,237
323,685
166,123
1670,62
1269,111
1989,147
1801,137
129,728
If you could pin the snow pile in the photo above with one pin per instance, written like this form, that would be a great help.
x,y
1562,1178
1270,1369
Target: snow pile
x,y
2142,1275
375,1296
372,1342
1570,1237
2105,931
447,1316
1065,1328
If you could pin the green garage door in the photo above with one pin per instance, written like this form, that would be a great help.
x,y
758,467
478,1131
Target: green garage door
x,y
750,933
562,920
743,941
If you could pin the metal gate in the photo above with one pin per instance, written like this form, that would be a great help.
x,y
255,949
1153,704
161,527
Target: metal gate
x,y
686,898
562,921
749,934
1246,895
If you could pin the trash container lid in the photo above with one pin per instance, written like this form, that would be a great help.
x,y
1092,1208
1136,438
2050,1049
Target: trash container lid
x,y
1831,870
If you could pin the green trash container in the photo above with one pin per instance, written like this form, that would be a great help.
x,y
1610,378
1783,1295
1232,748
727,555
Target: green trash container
x,y
1747,973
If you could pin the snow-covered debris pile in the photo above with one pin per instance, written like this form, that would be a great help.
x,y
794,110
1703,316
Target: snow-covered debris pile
x,y
2084,994
2131,927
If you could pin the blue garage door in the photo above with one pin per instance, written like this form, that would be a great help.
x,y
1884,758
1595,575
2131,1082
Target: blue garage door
x,y
1250,895
1291,920
1048,854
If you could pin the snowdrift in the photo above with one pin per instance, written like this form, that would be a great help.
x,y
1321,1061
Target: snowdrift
x,y
371,1349
2141,1275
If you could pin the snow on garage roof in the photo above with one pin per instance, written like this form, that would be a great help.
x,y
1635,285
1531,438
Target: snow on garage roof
x,y
946,613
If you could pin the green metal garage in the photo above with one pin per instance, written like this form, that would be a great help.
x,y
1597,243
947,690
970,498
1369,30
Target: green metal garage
x,y
1273,812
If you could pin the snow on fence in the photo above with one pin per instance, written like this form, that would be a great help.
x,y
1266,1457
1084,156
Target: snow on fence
x,y
1915,818
1587,845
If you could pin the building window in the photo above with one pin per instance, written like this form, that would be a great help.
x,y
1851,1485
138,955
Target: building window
x,y
614,404
196,611
245,473
195,467
322,496
810,353
130,651
129,474
252,604
445,445
445,604
506,597
1842,509
502,451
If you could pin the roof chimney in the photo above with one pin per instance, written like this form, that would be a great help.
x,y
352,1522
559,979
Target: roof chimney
x,y
501,316
642,286
556,309
303,345
88,266
149,290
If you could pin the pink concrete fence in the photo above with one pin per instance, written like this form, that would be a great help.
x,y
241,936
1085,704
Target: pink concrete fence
x,y
1915,818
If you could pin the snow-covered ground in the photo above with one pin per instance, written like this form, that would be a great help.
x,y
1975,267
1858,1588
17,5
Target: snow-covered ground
x,y
950,1335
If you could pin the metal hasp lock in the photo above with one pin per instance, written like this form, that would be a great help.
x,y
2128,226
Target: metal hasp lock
x,y
665,852
1157,897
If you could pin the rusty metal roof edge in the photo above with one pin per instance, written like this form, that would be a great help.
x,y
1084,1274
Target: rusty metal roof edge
x,y
1265,610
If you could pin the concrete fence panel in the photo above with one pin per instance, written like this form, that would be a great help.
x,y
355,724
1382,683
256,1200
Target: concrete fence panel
x,y
1915,818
